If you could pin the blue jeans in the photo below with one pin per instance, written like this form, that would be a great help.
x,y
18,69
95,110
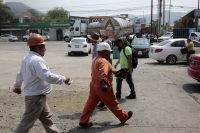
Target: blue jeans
x,y
129,80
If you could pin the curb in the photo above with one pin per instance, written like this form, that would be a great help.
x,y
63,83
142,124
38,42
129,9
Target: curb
x,y
3,40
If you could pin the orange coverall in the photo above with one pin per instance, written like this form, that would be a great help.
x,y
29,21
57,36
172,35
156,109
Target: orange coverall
x,y
102,70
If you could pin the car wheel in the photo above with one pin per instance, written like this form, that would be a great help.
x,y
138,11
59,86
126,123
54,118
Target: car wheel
x,y
86,54
66,39
171,60
147,54
69,54
25,40
10,40
160,61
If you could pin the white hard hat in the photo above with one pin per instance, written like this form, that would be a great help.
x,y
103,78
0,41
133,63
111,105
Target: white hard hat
x,y
103,46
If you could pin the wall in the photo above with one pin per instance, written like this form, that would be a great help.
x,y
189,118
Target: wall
x,y
53,34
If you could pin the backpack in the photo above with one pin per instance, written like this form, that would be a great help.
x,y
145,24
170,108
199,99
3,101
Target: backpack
x,y
134,57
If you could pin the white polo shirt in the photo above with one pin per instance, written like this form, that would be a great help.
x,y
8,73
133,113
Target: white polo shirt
x,y
36,76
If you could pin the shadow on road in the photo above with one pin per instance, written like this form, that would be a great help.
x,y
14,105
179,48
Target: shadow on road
x,y
192,88
77,116
74,116
121,100
97,128
76,55
181,64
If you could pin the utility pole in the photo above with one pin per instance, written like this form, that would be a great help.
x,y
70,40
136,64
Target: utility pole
x,y
164,16
169,17
160,15
151,14
198,18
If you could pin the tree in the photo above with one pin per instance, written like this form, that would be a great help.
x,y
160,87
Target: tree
x,y
35,14
185,22
5,14
58,14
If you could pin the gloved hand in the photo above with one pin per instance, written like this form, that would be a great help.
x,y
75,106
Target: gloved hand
x,y
104,87
67,80
17,90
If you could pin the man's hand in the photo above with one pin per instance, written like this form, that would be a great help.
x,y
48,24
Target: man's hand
x,y
67,80
115,66
104,86
130,71
17,90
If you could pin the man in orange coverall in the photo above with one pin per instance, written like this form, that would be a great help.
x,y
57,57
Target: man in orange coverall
x,y
101,88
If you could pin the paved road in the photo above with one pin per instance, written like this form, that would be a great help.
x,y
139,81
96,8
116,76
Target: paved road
x,y
168,100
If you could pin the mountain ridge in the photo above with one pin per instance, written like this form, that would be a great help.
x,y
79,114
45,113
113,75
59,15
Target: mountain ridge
x,y
18,8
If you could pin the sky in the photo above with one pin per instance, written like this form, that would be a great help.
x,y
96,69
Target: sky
x,y
88,8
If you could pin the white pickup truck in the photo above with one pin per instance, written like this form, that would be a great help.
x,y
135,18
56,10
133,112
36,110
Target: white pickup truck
x,y
26,37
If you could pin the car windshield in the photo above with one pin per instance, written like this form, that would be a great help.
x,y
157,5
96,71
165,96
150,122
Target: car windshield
x,y
78,40
168,35
140,42
163,43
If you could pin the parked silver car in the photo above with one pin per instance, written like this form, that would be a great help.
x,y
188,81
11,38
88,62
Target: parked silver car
x,y
8,37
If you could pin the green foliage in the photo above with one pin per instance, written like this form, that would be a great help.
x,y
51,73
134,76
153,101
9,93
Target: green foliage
x,y
37,16
5,14
58,14
185,22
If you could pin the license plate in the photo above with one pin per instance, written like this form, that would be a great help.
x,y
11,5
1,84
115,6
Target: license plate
x,y
76,46
139,52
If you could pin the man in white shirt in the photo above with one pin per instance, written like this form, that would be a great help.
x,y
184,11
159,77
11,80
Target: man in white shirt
x,y
37,79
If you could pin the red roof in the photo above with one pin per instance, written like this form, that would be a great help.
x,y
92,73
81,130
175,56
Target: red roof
x,y
26,15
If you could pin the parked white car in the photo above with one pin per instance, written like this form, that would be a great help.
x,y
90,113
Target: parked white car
x,y
165,37
26,37
79,45
169,51
8,37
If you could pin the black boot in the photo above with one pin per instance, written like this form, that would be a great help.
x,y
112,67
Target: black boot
x,y
83,125
101,105
131,96
118,96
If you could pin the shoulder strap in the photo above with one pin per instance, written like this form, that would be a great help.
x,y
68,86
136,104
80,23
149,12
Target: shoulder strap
x,y
124,52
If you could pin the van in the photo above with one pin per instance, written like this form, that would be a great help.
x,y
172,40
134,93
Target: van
x,y
195,36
